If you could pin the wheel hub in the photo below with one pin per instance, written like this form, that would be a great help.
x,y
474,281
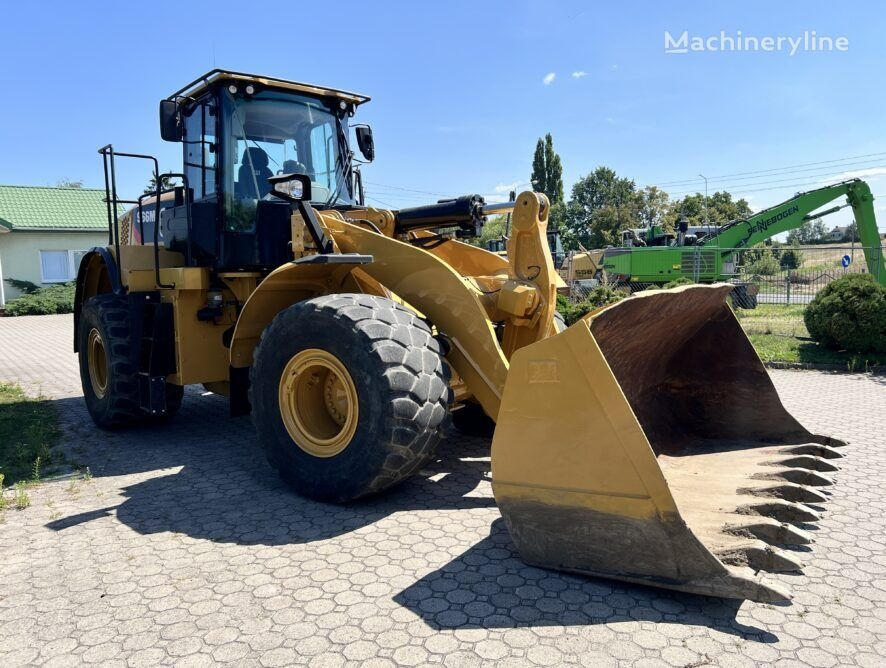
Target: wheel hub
x,y
318,402
97,361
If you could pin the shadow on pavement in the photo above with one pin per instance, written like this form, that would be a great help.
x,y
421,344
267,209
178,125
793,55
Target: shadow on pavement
x,y
489,587
210,480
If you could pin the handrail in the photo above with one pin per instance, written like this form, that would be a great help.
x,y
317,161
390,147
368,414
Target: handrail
x,y
112,201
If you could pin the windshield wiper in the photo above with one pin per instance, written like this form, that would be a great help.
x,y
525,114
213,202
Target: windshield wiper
x,y
339,165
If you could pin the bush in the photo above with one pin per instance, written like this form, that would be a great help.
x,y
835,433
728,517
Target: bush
x,y
791,258
596,297
677,282
766,265
54,299
849,314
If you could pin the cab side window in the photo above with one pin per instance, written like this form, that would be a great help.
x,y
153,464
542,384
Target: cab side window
x,y
322,149
200,154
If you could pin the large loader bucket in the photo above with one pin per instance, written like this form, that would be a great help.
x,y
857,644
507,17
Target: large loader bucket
x,y
647,443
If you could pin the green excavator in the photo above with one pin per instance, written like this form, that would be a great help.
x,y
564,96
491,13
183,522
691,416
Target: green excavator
x,y
709,254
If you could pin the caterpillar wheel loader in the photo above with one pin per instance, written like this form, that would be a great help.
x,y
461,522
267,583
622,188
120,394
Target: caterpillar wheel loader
x,y
644,443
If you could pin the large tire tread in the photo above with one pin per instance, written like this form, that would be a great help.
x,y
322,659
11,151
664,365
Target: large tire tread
x,y
408,374
120,405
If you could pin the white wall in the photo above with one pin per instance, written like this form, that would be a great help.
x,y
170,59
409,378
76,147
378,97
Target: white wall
x,y
20,253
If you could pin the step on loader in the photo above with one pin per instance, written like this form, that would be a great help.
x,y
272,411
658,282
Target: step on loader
x,y
644,443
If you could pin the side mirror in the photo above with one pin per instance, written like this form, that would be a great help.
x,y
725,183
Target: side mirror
x,y
365,142
170,121
291,187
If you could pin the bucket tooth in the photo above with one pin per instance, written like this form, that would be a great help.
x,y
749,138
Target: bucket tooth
x,y
784,511
797,476
824,451
771,531
788,491
761,557
809,462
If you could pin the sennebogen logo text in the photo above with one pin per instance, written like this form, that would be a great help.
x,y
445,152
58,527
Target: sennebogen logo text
x,y
807,42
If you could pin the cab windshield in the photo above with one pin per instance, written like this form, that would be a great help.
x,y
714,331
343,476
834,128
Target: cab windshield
x,y
274,133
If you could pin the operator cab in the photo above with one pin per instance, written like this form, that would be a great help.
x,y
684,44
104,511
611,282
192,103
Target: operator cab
x,y
237,131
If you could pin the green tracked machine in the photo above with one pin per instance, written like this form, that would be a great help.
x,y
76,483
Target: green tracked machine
x,y
708,254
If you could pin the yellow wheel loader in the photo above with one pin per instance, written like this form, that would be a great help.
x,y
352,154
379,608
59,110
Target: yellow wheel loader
x,y
644,443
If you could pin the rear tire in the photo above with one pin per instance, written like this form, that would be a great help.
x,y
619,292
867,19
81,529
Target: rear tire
x,y
109,366
108,362
384,400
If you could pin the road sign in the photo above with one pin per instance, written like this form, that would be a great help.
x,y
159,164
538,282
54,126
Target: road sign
x,y
846,261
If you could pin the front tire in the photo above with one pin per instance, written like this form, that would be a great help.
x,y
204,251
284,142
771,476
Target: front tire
x,y
349,395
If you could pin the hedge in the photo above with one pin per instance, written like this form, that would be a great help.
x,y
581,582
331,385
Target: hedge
x,y
849,314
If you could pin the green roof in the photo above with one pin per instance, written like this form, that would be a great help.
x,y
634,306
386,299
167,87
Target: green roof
x,y
35,208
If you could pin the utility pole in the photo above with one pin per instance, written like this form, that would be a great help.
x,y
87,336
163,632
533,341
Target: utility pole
x,y
707,222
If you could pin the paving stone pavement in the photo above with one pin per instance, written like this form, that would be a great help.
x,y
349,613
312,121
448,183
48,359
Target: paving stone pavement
x,y
183,548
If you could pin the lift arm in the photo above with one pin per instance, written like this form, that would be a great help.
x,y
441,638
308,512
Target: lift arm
x,y
791,214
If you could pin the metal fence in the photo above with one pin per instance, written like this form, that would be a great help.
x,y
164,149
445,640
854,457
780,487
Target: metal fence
x,y
786,275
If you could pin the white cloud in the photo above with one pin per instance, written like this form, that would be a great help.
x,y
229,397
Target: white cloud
x,y
502,190
609,119
579,74
549,78
869,174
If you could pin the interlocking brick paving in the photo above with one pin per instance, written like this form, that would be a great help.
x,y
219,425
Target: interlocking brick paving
x,y
184,548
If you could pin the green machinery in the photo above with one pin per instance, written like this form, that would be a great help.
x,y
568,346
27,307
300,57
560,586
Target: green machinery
x,y
708,254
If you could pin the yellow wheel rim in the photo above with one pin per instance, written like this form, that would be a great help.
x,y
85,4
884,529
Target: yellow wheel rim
x,y
318,402
97,360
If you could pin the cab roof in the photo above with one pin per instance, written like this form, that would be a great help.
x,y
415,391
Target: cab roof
x,y
203,83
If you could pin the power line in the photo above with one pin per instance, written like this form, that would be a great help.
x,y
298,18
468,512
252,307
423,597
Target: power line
x,y
384,204
410,190
856,158
845,167
797,180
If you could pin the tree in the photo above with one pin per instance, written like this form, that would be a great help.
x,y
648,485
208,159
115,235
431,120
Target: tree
x,y
819,231
652,206
809,232
165,184
791,258
721,209
69,183
547,170
493,229
539,178
554,172
601,206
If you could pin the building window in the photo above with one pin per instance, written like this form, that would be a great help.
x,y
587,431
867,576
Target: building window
x,y
59,266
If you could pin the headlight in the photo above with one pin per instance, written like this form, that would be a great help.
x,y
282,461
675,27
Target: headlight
x,y
295,188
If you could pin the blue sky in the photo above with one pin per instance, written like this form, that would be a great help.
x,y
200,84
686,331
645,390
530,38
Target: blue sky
x,y
459,89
